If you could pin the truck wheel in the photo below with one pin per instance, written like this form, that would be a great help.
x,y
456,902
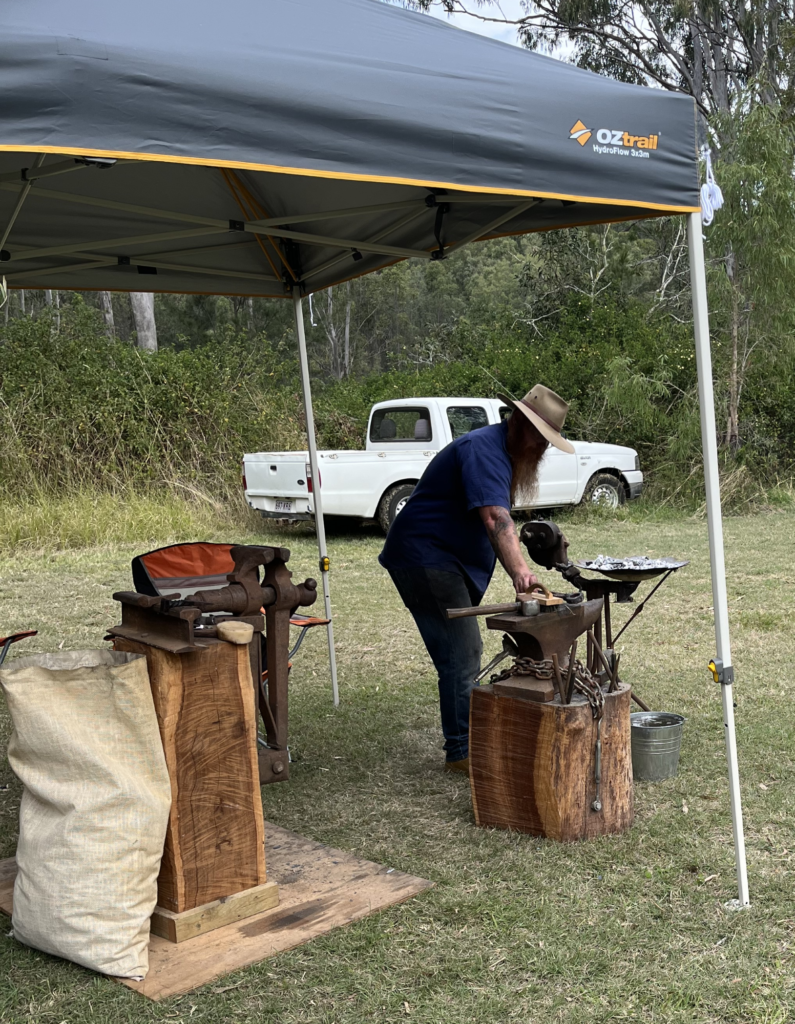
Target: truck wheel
x,y
392,503
606,490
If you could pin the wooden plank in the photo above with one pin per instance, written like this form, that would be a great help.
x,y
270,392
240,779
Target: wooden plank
x,y
215,840
532,765
320,889
190,923
527,687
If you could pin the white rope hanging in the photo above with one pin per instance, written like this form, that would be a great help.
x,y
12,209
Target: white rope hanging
x,y
711,195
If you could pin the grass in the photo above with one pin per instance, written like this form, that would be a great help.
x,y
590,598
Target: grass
x,y
626,928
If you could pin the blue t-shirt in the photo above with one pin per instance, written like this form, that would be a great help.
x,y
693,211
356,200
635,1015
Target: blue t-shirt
x,y
440,527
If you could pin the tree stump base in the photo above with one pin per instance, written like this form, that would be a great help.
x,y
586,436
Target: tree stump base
x,y
532,765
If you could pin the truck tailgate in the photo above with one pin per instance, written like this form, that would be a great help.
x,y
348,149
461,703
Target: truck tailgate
x,y
276,482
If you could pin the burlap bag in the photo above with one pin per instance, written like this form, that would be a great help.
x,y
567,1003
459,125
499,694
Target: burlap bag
x,y
92,823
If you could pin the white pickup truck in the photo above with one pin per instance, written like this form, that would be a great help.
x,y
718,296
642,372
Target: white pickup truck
x,y
403,435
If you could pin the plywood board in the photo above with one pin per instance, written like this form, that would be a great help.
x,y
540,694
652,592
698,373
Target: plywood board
x,y
320,889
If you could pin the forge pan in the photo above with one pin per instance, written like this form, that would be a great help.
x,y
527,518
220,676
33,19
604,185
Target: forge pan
x,y
634,575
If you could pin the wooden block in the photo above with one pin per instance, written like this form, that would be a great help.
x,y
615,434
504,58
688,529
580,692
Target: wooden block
x,y
526,688
190,923
531,765
205,709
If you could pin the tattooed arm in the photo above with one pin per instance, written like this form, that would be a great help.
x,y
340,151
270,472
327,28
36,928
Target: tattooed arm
x,y
503,538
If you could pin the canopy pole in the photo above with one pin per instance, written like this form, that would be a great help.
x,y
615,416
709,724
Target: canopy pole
x,y
706,398
320,525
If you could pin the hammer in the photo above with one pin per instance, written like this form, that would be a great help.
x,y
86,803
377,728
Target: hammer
x,y
525,604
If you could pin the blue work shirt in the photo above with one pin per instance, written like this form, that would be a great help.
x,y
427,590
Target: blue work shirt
x,y
440,526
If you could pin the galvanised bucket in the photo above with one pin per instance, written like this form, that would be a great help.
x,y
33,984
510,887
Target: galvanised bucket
x,y
656,741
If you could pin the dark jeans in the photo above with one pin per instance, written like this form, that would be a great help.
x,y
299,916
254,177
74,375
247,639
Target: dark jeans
x,y
455,646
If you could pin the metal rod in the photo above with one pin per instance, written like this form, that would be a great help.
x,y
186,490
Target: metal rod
x,y
483,609
376,238
641,704
23,195
497,222
117,243
34,174
115,204
4,649
400,204
320,526
640,607
70,268
608,624
558,678
570,677
698,281
342,243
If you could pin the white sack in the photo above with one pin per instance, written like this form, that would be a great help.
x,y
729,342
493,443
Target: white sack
x,y
94,811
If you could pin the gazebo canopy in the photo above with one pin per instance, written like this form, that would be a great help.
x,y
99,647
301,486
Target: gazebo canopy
x,y
259,145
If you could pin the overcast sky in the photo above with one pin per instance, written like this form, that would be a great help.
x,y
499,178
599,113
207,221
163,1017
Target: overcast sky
x,y
506,33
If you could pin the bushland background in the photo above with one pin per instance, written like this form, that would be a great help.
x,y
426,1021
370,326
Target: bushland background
x,y
127,415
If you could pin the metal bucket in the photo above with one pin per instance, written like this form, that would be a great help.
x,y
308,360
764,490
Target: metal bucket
x,y
656,740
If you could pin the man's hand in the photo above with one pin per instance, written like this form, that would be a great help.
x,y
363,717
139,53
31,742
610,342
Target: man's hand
x,y
502,535
524,580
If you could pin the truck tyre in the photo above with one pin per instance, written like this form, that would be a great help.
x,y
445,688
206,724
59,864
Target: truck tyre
x,y
392,503
606,490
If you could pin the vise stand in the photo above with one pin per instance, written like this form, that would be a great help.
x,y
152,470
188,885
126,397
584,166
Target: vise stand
x,y
183,624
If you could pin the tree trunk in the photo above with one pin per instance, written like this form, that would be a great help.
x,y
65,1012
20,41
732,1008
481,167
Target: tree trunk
x,y
143,309
733,419
347,351
106,305
22,300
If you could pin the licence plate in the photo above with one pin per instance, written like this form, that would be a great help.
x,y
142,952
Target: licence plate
x,y
284,506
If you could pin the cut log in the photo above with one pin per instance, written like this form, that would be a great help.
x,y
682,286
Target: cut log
x,y
532,765
215,840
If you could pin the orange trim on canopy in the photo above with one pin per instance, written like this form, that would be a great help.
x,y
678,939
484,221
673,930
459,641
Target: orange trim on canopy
x,y
342,176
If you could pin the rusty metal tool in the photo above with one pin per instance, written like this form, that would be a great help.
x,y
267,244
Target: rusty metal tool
x,y
558,678
509,650
570,677
530,603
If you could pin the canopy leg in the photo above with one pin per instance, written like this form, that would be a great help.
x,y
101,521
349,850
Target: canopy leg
x,y
706,398
320,525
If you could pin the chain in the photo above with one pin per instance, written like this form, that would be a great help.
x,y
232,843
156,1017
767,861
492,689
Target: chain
x,y
589,686
526,667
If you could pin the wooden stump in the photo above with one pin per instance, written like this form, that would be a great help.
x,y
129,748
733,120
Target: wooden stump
x,y
215,844
532,765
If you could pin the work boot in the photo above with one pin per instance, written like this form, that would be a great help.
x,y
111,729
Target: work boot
x,y
458,766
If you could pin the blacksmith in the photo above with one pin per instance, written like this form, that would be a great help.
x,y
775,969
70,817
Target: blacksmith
x,y
442,548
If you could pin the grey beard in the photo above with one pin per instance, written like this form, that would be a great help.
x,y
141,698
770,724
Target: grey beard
x,y
524,482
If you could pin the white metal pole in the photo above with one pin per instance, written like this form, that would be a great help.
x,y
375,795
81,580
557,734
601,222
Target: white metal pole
x,y
706,398
320,526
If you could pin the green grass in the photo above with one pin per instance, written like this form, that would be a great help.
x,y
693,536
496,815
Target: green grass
x,y
626,928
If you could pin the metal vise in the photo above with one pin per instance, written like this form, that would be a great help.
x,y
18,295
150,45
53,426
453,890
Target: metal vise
x,y
188,624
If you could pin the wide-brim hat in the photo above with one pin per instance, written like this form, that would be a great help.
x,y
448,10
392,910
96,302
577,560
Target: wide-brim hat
x,y
546,411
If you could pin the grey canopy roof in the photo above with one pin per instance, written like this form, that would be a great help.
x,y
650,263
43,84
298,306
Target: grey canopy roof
x,y
260,144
